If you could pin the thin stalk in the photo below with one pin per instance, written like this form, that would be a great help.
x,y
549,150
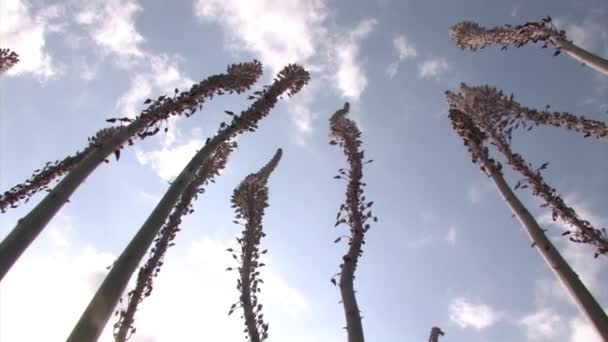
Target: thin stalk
x,y
473,138
124,328
238,79
291,79
346,134
250,199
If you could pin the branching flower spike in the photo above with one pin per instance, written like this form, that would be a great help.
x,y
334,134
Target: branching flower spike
x,y
250,199
474,140
471,36
494,114
355,213
8,59
124,328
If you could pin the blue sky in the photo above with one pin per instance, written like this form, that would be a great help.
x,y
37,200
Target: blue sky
x,y
445,251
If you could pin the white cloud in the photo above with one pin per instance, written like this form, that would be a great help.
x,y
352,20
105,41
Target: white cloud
x,y
515,10
161,74
111,24
583,332
543,325
467,314
433,68
478,190
24,32
56,275
405,49
280,32
168,162
450,236
350,77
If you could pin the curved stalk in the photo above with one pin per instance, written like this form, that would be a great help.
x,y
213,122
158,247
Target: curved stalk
x,y
124,328
435,333
249,199
291,79
346,133
238,79
584,300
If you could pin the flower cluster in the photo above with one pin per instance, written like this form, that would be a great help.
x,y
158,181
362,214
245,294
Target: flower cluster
x,y
489,111
238,78
355,212
471,36
124,329
249,199
41,178
8,59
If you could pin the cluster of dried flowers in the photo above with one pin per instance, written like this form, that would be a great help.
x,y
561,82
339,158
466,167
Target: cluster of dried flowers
x,y
238,78
470,35
41,178
8,59
355,213
249,199
497,116
124,328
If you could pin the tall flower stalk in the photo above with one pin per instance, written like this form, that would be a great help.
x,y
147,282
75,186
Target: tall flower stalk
x,y
355,212
490,111
8,59
474,139
435,333
250,199
124,328
291,80
471,36
239,78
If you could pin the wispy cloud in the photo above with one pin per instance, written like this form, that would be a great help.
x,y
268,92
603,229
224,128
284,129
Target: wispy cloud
x,y
581,331
433,68
478,190
466,314
405,50
351,78
111,24
543,325
450,236
25,31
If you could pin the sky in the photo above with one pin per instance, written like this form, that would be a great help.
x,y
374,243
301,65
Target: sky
x,y
445,252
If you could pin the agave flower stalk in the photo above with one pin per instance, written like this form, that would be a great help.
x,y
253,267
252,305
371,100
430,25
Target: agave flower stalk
x,y
471,36
474,139
505,114
354,212
435,333
8,59
250,199
291,80
124,328
239,77
479,103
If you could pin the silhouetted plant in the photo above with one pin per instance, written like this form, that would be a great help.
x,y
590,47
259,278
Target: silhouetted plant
x,y
291,80
124,328
471,36
474,139
250,199
435,333
355,213
488,108
239,78
8,59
